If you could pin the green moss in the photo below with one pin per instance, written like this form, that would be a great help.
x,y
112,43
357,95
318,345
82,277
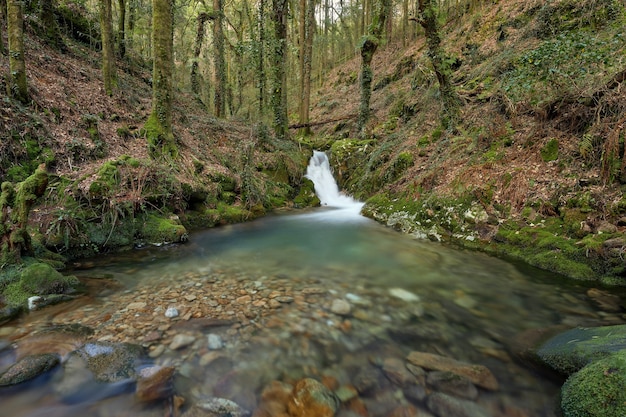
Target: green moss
x,y
41,279
107,180
550,151
306,196
158,230
597,390
160,142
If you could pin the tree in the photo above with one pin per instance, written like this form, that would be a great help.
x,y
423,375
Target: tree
x,y
369,45
195,77
427,17
219,62
278,97
307,31
261,58
158,127
121,29
108,56
17,65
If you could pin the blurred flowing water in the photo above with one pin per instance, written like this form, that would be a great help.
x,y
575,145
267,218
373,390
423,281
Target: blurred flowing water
x,y
465,305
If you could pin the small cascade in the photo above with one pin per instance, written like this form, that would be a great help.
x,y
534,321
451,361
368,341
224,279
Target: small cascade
x,y
326,187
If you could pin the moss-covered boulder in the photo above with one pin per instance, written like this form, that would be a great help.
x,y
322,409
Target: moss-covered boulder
x,y
572,350
306,196
38,279
157,230
597,390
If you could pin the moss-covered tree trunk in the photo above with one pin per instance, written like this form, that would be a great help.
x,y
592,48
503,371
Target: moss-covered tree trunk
x,y
261,58
121,29
369,45
197,48
428,19
15,205
307,20
158,127
219,61
108,56
17,65
278,97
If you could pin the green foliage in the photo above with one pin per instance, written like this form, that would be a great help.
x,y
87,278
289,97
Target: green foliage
x,y
567,63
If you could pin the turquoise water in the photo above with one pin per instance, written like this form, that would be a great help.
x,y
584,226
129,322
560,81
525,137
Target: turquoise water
x,y
463,304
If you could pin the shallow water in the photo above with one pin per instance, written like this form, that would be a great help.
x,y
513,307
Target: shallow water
x,y
468,306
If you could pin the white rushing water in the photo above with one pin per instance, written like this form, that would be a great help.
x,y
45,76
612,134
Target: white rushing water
x,y
326,187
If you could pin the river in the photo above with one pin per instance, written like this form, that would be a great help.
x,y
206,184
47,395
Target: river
x,y
323,293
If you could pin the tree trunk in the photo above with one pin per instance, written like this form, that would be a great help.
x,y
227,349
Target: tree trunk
x,y
108,56
261,59
51,29
3,16
195,77
306,64
158,127
15,204
17,65
220,66
121,29
278,97
428,19
369,45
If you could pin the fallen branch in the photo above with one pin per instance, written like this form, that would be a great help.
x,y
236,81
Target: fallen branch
x,y
310,124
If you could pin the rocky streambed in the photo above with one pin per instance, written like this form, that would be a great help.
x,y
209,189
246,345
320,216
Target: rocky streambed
x,y
245,329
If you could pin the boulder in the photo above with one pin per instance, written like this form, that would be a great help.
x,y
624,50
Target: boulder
x,y
597,390
28,368
310,398
570,351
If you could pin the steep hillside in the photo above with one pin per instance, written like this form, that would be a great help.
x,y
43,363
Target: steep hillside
x,y
535,167
105,193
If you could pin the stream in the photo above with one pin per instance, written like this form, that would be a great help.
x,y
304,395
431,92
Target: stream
x,y
322,293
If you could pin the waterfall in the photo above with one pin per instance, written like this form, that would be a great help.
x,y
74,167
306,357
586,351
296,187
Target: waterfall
x,y
326,187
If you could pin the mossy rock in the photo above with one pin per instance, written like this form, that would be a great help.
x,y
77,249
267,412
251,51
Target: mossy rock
x,y
41,279
37,279
306,196
597,390
107,181
159,230
550,152
570,351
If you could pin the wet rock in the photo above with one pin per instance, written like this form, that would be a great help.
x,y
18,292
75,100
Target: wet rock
x,y
221,407
415,335
111,362
415,394
408,411
395,370
444,405
171,312
570,351
9,313
181,340
404,295
605,300
450,383
312,399
29,368
274,399
154,383
340,307
478,374
367,381
215,341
